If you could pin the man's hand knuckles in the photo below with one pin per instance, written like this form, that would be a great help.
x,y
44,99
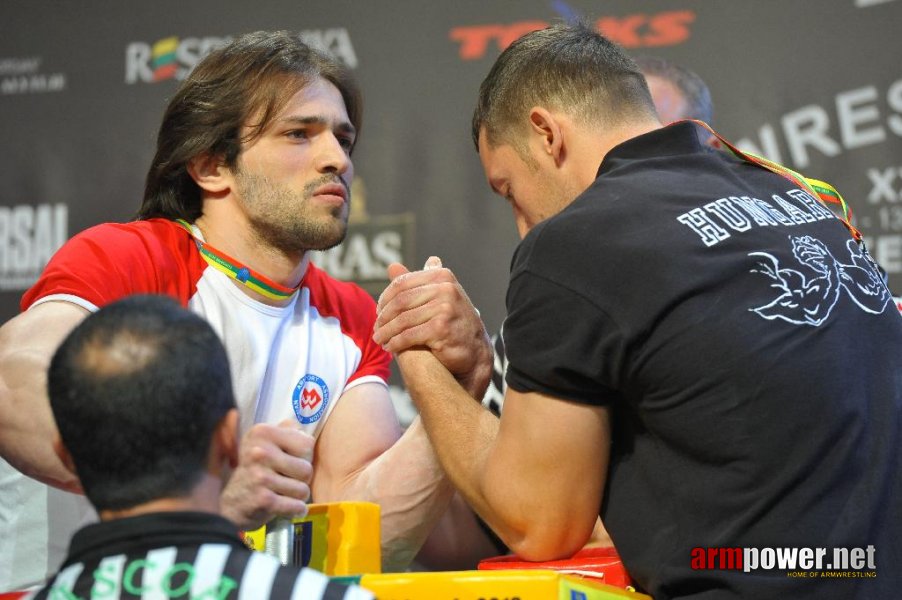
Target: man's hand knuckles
x,y
410,300
259,454
263,500
441,328
303,492
259,478
402,341
449,288
301,444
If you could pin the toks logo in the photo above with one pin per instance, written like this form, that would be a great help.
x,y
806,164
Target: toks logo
x,y
632,31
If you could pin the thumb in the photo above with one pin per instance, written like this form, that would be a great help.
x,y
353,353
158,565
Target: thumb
x,y
395,270
433,262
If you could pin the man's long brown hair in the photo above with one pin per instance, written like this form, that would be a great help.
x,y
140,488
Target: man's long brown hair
x,y
242,85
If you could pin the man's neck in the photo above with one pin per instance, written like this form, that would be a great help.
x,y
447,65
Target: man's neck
x,y
588,150
234,237
204,497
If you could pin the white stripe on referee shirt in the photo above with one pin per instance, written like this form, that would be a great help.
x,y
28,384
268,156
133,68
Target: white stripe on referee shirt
x,y
159,561
258,577
358,593
310,585
65,580
211,560
108,578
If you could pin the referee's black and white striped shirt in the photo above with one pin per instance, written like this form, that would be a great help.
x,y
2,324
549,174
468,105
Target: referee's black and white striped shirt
x,y
494,393
180,555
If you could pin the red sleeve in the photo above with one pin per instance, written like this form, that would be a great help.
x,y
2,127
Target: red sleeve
x,y
375,360
110,261
356,311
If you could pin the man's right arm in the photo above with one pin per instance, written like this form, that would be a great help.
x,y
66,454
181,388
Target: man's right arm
x,y
27,429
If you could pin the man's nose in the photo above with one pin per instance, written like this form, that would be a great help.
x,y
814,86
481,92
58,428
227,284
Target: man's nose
x,y
333,157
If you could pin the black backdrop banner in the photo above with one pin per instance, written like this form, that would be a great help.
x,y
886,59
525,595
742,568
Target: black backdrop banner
x,y
815,84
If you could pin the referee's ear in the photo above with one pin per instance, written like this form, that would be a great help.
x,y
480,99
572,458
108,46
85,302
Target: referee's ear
x,y
224,443
59,448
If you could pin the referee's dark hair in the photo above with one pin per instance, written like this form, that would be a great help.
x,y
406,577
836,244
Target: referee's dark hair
x,y
566,67
137,390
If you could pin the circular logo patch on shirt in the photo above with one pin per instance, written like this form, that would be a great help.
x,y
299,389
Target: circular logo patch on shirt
x,y
311,395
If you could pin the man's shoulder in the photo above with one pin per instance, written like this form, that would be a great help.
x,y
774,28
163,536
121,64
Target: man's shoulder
x,y
354,310
565,237
133,233
334,296
111,260
154,241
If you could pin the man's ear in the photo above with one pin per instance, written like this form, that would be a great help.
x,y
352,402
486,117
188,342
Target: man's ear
x,y
210,173
63,453
225,439
550,134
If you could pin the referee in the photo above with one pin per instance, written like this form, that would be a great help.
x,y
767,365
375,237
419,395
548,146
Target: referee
x,y
142,394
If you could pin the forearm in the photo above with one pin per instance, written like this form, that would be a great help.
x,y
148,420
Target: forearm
x,y
476,382
28,428
461,431
458,542
542,500
411,489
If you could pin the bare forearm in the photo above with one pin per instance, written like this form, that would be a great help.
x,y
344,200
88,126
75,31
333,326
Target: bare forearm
x,y
541,512
458,541
461,430
412,491
476,382
28,428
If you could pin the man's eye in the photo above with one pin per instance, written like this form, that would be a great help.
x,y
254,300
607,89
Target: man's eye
x,y
298,134
346,143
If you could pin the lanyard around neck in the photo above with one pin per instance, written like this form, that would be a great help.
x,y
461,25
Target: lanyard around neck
x,y
816,188
245,275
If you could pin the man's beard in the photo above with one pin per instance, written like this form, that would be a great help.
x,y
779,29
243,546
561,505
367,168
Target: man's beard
x,y
289,221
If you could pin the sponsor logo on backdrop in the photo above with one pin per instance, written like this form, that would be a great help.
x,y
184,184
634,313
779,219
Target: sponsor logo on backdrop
x,y
638,30
853,119
371,244
173,57
25,76
884,205
29,236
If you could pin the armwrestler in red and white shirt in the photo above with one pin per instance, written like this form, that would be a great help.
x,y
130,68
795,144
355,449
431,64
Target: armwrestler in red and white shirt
x,y
254,152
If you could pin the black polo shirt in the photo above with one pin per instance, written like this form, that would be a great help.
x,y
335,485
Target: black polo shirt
x,y
749,353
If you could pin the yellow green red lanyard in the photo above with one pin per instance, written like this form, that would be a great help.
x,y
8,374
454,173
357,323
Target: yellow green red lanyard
x,y
237,271
815,187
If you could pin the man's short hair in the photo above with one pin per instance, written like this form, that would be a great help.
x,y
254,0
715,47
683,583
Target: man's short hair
x,y
137,389
245,83
690,85
565,67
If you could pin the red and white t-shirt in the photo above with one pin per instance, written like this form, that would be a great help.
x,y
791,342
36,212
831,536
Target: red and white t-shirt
x,y
294,361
